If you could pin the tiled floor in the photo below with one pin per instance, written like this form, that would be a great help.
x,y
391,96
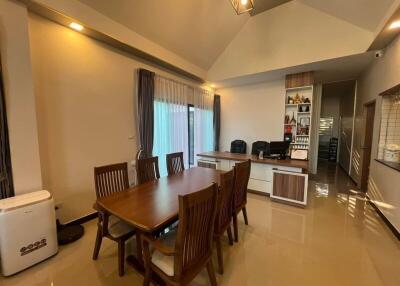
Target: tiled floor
x,y
337,240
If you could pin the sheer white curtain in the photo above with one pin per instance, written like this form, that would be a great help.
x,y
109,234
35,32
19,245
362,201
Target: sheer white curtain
x,y
203,101
170,120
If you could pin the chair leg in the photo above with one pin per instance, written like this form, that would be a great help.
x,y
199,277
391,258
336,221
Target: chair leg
x,y
245,215
121,257
99,238
230,237
235,228
147,277
219,255
211,273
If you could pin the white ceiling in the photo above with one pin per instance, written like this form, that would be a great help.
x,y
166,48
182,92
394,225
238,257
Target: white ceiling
x,y
264,5
366,14
196,30
200,30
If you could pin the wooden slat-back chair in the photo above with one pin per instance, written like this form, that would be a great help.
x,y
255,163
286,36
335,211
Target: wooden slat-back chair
x,y
175,163
242,175
178,259
147,170
111,179
223,218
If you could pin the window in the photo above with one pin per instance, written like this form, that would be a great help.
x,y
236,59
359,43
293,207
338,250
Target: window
x,y
170,132
178,125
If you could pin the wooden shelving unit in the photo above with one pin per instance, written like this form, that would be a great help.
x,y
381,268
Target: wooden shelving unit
x,y
298,113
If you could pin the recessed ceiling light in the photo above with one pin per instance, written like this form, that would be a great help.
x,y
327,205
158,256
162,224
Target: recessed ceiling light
x,y
76,26
212,85
395,25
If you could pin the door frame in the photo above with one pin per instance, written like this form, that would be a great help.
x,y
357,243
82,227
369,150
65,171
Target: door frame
x,y
365,158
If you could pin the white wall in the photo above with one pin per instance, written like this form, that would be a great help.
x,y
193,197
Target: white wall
x,y
99,22
85,107
252,113
383,184
20,101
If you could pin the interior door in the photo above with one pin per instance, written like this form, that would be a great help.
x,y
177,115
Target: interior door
x,y
369,115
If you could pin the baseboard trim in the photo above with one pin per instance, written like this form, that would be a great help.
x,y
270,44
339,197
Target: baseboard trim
x,y
258,193
83,219
387,222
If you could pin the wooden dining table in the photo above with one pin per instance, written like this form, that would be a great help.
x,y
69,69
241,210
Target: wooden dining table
x,y
152,206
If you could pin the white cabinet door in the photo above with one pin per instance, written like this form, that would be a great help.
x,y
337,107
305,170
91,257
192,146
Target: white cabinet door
x,y
261,172
260,186
224,165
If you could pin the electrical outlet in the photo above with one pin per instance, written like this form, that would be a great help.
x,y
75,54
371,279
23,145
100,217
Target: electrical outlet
x,y
59,206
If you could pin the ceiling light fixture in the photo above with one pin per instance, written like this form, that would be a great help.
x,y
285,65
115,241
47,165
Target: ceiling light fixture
x,y
242,6
76,26
395,25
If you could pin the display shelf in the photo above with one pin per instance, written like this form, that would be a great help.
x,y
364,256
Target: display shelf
x,y
298,106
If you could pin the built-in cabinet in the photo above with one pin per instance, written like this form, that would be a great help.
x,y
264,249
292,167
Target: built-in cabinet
x,y
261,175
280,182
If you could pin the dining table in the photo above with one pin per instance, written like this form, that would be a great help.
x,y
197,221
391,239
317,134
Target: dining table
x,y
154,205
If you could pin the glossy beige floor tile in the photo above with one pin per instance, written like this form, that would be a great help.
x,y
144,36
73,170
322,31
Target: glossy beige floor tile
x,y
337,240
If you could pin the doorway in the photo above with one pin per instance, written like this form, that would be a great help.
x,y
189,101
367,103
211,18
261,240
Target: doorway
x,y
369,115
336,123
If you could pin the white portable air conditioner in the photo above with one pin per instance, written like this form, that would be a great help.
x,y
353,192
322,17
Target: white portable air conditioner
x,y
28,232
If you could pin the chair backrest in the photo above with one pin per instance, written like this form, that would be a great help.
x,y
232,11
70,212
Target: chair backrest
x,y
175,163
111,179
195,231
225,199
242,175
259,146
238,146
147,169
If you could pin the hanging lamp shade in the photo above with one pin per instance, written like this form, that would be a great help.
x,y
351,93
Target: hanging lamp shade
x,y
242,6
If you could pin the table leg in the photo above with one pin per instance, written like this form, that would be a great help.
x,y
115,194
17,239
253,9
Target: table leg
x,y
137,261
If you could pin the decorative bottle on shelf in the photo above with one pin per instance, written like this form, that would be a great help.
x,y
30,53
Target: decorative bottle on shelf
x,y
293,121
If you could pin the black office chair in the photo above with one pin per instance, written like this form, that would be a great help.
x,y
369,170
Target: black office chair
x,y
238,146
259,146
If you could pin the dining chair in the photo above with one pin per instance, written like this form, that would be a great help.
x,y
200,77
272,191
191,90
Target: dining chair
x,y
108,180
180,255
147,169
242,175
223,218
175,163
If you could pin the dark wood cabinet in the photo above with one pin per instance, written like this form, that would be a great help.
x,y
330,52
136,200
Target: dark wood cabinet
x,y
289,187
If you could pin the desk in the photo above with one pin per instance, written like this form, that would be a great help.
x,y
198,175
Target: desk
x,y
154,205
282,180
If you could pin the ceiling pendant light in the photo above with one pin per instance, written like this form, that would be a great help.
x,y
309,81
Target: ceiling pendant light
x,y
242,6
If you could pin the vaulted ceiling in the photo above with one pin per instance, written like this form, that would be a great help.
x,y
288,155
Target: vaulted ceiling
x,y
209,34
197,30
366,14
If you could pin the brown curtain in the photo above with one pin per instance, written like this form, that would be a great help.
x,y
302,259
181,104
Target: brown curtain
x,y
6,180
146,111
217,121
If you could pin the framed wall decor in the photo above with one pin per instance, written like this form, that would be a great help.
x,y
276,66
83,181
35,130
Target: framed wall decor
x,y
299,154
